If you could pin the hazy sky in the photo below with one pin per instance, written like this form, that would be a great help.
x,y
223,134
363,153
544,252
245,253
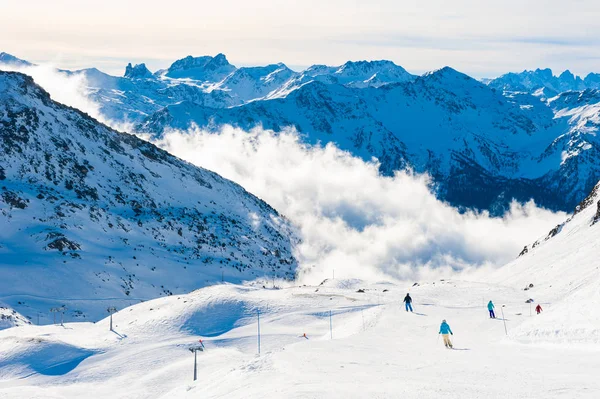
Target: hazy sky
x,y
480,37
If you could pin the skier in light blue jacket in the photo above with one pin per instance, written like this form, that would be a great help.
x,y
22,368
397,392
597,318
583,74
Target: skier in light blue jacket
x,y
445,330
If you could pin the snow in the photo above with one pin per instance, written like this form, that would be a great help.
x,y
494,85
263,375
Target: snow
x,y
377,350
374,348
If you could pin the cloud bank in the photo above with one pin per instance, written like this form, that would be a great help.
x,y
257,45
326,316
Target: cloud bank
x,y
352,219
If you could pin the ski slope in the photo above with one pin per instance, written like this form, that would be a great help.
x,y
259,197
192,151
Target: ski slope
x,y
359,340
378,350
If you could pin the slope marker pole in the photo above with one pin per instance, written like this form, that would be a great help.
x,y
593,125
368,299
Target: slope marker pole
x,y
330,326
504,319
258,318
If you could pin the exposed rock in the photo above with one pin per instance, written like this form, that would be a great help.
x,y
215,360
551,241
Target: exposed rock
x,y
524,251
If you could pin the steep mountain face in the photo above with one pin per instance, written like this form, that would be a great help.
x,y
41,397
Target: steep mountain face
x,y
92,217
482,148
544,79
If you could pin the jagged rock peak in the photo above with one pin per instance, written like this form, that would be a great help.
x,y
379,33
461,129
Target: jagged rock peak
x,y
203,61
139,71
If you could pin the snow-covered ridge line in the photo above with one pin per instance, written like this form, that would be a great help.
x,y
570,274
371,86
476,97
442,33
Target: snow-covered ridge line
x,y
587,211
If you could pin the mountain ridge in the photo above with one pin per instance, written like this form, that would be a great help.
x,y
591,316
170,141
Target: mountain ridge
x,y
116,216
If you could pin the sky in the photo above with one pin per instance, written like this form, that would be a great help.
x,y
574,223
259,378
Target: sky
x,y
481,38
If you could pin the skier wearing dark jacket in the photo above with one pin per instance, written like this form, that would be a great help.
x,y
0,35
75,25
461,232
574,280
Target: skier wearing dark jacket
x,y
408,303
538,309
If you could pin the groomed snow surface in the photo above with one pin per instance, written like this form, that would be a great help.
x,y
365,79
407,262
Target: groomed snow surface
x,y
378,350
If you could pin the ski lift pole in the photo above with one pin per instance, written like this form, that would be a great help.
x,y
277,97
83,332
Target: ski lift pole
x,y
62,311
53,311
111,310
195,350
504,319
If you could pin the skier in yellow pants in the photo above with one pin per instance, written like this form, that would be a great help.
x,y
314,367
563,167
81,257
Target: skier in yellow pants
x,y
445,330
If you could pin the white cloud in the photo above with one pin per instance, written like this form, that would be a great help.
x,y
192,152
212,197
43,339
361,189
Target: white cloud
x,y
352,219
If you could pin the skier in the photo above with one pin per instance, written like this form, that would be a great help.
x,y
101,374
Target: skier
x,y
538,309
444,330
408,302
491,309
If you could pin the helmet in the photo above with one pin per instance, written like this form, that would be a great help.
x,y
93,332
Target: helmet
x,y
443,321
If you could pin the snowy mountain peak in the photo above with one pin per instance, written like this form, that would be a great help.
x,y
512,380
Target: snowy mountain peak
x,y
567,75
205,68
10,59
352,66
139,71
448,76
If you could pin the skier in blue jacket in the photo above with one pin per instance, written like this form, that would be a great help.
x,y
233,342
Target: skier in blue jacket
x,y
445,330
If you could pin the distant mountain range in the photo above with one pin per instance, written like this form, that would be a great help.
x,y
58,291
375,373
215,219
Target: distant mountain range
x,y
528,135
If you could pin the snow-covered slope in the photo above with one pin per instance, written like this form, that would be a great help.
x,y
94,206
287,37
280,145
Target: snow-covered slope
x,y
341,339
252,83
90,215
11,318
561,272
